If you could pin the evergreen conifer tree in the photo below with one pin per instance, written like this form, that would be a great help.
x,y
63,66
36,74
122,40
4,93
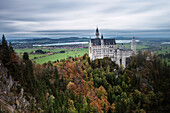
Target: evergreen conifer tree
x,y
25,56
11,48
5,52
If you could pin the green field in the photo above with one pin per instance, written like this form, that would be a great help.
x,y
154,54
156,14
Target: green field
x,y
157,47
164,49
69,53
36,48
138,47
59,56
167,61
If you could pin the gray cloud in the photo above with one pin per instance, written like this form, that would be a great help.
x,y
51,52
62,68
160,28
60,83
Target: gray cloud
x,y
25,16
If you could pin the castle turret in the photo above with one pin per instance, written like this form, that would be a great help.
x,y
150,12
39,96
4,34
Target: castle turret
x,y
102,37
90,48
133,45
102,46
97,33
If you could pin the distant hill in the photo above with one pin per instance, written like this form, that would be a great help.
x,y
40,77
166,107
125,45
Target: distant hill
x,y
50,39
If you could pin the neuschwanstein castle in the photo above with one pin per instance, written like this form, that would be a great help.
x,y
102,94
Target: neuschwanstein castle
x,y
100,48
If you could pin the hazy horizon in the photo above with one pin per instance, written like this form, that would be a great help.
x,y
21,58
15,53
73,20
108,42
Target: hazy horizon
x,y
108,33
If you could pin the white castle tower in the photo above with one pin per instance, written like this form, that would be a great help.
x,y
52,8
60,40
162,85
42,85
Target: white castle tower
x,y
102,46
133,45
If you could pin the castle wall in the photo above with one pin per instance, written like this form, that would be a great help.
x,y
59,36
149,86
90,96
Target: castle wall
x,y
122,55
101,51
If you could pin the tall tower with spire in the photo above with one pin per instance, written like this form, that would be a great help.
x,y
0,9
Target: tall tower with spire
x,y
97,32
102,46
133,45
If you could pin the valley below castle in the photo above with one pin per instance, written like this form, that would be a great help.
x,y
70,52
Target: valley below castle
x,y
79,46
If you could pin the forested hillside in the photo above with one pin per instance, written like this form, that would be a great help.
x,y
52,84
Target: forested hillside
x,y
78,85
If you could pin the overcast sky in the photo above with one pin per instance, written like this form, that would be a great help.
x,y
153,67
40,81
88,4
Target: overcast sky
x,y
26,16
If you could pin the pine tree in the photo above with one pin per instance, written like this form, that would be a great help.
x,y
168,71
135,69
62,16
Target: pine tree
x,y
25,56
11,48
4,42
5,52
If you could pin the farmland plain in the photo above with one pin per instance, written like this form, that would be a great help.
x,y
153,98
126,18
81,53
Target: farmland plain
x,y
54,53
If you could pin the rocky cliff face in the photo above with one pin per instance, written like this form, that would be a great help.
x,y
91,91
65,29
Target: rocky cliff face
x,y
12,97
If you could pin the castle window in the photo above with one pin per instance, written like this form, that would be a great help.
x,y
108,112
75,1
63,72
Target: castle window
x,y
120,61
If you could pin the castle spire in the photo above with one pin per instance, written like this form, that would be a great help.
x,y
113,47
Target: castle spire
x,y
102,36
97,32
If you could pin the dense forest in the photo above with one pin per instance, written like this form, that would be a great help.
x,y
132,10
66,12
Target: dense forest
x,y
79,85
